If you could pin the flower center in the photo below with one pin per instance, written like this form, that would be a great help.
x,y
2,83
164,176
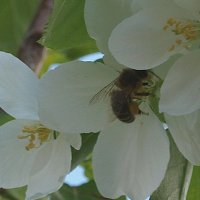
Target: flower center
x,y
187,30
36,134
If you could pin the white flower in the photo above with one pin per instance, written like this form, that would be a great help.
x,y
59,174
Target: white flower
x,y
185,132
129,159
146,40
102,16
100,22
31,154
183,128
151,37
180,92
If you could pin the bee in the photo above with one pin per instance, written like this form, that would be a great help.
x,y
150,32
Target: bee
x,y
125,92
123,107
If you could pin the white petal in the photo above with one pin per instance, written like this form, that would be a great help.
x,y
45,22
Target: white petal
x,y
101,16
18,88
108,59
180,90
73,139
163,69
16,161
191,5
64,102
140,42
51,165
100,21
131,158
149,3
185,131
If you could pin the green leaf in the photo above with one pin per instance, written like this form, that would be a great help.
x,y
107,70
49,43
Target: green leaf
x,y
194,189
88,142
66,29
154,102
4,117
86,191
177,177
52,57
15,18
12,194
88,171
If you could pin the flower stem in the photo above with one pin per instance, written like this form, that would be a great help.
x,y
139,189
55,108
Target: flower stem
x,y
187,179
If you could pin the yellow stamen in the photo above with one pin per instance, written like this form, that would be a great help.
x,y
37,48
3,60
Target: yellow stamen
x,y
178,42
187,30
36,134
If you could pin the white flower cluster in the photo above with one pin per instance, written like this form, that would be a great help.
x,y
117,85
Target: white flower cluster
x,y
138,38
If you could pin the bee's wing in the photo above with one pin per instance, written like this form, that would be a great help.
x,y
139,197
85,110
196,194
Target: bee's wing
x,y
103,93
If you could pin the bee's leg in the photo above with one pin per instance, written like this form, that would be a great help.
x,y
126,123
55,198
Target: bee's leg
x,y
134,107
147,84
135,98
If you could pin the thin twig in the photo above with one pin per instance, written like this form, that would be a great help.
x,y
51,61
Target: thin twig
x,y
31,52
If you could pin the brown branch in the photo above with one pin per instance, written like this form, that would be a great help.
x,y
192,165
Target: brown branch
x,y
31,52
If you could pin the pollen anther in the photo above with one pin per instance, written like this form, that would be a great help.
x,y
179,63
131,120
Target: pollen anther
x,y
187,30
36,134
